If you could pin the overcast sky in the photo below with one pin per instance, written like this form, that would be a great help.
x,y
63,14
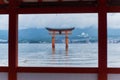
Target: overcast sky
x,y
60,20
3,22
113,20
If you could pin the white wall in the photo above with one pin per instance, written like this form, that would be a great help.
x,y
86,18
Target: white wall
x,y
3,76
56,76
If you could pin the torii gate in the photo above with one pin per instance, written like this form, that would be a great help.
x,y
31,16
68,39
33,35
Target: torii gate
x,y
60,31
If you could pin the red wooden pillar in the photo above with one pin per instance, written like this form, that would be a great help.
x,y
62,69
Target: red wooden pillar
x,y
66,39
53,39
13,40
102,56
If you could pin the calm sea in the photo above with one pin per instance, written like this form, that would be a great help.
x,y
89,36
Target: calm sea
x,y
43,55
77,55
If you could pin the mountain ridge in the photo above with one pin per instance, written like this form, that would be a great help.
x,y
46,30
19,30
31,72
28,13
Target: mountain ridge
x,y
42,35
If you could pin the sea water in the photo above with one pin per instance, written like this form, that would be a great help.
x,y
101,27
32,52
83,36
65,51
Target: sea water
x,y
3,54
77,55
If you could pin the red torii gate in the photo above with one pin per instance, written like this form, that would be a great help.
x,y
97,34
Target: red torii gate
x,y
60,31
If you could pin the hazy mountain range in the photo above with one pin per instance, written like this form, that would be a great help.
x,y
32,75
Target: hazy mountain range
x,y
35,35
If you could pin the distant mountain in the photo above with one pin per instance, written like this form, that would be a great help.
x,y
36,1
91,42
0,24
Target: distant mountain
x,y
113,32
91,31
42,35
37,35
34,35
4,34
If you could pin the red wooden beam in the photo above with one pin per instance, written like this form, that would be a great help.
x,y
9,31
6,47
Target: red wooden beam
x,y
56,70
57,10
4,69
113,70
113,9
3,11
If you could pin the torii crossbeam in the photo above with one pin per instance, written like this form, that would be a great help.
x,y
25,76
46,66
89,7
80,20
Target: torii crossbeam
x,y
60,31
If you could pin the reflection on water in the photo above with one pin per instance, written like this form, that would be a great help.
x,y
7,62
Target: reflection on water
x,y
77,55
113,55
42,55
3,54
66,51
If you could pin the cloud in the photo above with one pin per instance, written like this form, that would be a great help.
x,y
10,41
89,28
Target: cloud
x,y
113,20
80,20
4,22
58,20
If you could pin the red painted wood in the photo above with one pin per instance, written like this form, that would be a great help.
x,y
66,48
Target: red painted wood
x,y
102,56
12,45
4,11
56,70
13,40
113,9
57,10
4,69
113,70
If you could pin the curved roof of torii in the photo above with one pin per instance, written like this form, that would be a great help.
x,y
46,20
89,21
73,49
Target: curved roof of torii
x,y
60,29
